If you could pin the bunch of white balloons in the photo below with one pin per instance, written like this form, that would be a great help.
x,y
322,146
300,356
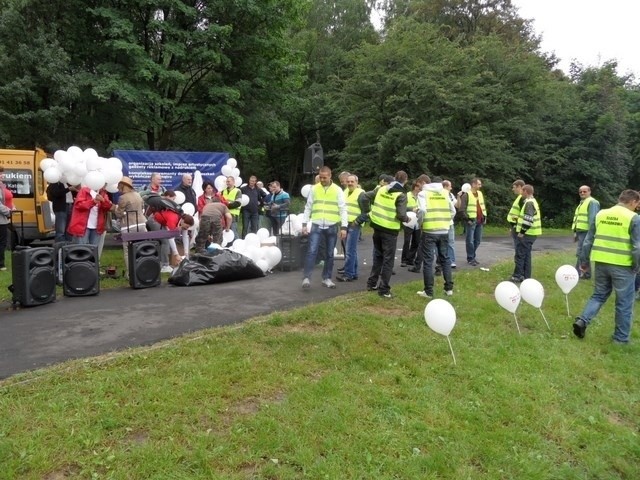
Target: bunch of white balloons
x,y
77,167
261,248
230,169
292,225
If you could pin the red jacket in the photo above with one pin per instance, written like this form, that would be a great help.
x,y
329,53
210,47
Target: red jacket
x,y
82,205
202,201
168,219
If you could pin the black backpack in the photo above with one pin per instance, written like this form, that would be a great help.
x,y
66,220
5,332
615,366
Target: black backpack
x,y
158,203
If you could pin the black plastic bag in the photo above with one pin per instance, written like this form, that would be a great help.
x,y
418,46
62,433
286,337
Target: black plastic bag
x,y
220,266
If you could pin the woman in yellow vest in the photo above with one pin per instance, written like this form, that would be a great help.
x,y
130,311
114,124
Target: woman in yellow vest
x,y
528,228
614,245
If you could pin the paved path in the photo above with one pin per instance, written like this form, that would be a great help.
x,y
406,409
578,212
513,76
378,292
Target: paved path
x,y
77,327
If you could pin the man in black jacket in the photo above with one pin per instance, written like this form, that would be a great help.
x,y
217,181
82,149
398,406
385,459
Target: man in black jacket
x,y
61,196
251,211
187,190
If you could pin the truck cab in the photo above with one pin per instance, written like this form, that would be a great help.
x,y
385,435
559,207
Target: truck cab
x,y
32,218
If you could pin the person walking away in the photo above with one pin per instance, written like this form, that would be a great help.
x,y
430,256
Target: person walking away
x,y
514,211
324,214
613,244
356,213
528,228
475,217
583,218
388,212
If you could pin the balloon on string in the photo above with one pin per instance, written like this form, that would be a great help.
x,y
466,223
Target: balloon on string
x,y
466,188
226,170
188,208
235,172
111,175
59,155
52,174
80,169
244,200
227,237
508,296
220,182
440,316
93,163
413,220
89,153
111,187
237,181
115,163
305,190
263,235
94,180
567,278
48,162
273,256
232,162
72,179
252,240
75,151
532,292
68,163
263,265
180,198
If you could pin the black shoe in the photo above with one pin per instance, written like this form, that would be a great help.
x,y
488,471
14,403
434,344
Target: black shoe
x,y
474,263
393,272
372,289
515,279
340,271
385,295
438,271
413,269
579,327
346,279
403,264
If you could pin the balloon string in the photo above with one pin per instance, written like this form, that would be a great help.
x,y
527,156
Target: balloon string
x,y
451,348
514,316
566,296
544,318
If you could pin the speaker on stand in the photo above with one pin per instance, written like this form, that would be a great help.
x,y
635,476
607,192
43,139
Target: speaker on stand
x,y
33,276
313,159
80,270
144,264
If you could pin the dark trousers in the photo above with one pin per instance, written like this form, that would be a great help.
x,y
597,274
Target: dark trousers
x,y
522,258
4,235
410,245
384,249
436,245
250,222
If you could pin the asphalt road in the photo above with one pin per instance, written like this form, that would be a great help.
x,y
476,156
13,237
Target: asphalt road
x,y
116,319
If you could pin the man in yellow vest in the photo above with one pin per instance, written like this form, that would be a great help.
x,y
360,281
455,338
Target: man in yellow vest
x,y
475,216
528,228
613,242
233,196
388,212
514,211
583,218
325,214
357,215
437,210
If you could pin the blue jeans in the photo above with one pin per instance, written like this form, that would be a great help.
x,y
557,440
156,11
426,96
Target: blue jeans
x,y
607,279
250,222
90,237
351,251
580,236
61,224
522,258
330,236
432,245
473,238
452,242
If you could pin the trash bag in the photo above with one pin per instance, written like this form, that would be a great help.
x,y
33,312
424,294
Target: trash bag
x,y
216,267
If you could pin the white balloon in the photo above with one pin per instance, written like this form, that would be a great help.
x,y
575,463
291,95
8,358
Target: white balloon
x,y
180,198
263,265
440,316
52,174
226,170
72,179
75,152
67,164
232,162
80,168
305,190
111,175
238,181
59,155
94,180
235,172
116,163
111,187
532,292
93,163
274,255
466,187
239,245
47,163
272,240
567,277
89,153
188,208
413,220
220,182
245,200
252,240
263,234
227,237
508,296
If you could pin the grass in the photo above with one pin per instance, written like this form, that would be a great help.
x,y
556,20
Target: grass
x,y
357,387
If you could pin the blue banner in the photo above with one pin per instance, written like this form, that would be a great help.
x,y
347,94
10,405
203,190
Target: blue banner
x,y
139,165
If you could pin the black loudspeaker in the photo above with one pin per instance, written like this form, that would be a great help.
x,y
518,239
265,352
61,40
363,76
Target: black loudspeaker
x,y
58,261
33,276
80,270
313,159
144,264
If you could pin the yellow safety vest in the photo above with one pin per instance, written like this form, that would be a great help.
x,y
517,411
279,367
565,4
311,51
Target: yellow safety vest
x,y
536,227
514,213
472,211
438,215
412,202
612,243
383,211
325,203
351,199
581,217
232,196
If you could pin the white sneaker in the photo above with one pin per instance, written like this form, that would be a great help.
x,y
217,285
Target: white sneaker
x,y
166,269
306,283
448,292
422,293
328,283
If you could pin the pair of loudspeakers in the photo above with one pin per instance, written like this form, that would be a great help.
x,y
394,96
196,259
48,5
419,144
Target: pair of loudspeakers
x,y
144,264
